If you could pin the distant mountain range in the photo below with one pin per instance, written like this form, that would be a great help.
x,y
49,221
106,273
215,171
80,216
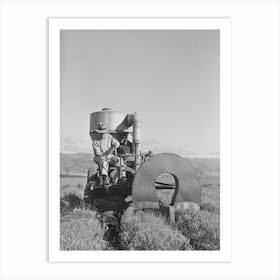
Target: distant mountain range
x,y
206,165
77,164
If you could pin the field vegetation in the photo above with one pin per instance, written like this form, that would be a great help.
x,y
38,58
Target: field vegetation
x,y
150,231
71,198
194,230
81,230
201,227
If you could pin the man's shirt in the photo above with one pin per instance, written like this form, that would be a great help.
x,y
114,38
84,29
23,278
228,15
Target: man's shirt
x,y
103,145
126,147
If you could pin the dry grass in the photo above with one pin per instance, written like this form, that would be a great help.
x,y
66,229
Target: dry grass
x,y
201,227
147,231
81,230
71,198
210,199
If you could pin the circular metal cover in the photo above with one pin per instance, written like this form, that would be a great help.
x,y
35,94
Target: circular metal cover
x,y
187,189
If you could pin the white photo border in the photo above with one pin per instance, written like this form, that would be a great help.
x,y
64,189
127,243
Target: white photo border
x,y
58,24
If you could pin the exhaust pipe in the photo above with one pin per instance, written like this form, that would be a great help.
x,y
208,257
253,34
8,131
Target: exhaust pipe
x,y
133,120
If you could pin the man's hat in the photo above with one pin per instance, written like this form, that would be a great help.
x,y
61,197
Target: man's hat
x,y
101,128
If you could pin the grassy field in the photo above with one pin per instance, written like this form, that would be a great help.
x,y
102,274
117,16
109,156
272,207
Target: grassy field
x,y
82,229
150,231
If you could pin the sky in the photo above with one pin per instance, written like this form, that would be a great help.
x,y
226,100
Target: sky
x,y
169,77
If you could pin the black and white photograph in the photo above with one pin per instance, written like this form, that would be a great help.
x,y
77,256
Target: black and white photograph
x,y
140,132
139,158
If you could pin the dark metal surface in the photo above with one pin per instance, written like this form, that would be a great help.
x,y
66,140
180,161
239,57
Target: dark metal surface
x,y
187,187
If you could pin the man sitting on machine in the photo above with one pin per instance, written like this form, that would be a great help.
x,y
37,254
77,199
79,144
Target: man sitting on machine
x,y
126,147
103,149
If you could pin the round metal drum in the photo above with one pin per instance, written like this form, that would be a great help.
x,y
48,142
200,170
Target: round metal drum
x,y
113,120
187,186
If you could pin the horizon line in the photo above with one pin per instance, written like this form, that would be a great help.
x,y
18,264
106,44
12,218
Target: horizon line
x,y
185,156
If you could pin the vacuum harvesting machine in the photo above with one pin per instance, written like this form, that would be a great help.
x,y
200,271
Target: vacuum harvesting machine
x,y
164,181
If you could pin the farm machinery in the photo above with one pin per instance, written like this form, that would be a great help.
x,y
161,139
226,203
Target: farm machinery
x,y
163,181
